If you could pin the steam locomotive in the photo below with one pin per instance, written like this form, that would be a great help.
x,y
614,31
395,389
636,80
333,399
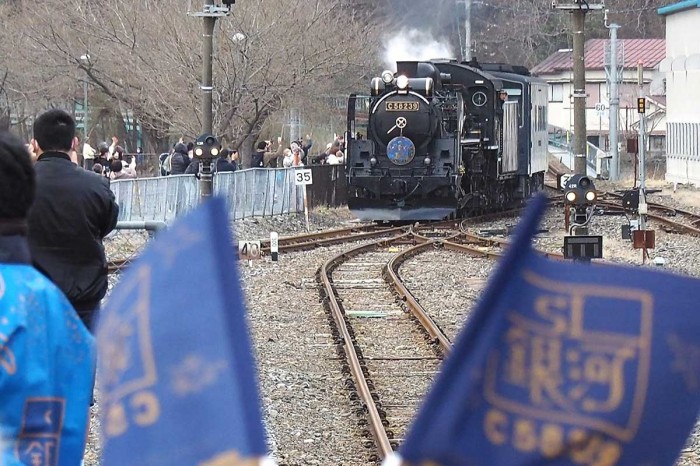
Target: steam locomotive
x,y
446,139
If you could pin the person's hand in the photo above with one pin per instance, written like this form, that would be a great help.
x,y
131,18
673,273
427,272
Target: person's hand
x,y
279,139
181,141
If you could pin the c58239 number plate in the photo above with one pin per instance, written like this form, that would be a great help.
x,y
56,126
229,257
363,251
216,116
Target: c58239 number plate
x,y
402,106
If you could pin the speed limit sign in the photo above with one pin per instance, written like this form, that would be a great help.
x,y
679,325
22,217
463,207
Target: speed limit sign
x,y
249,250
303,176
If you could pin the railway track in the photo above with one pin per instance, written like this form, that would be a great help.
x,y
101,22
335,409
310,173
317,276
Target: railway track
x,y
392,355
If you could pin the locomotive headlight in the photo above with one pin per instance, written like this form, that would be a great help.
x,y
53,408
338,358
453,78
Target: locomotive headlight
x,y
198,152
215,152
571,196
402,82
373,161
590,196
427,161
387,76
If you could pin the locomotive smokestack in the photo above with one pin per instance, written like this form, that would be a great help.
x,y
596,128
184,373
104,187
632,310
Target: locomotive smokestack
x,y
407,68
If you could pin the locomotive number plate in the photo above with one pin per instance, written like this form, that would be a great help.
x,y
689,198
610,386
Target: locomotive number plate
x,y
402,106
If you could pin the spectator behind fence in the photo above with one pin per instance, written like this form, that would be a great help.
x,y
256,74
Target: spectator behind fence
x,y
97,168
74,210
179,160
193,167
272,159
89,154
223,164
258,159
103,154
46,355
117,171
236,159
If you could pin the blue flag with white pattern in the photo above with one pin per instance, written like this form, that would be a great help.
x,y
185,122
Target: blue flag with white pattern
x,y
176,369
566,364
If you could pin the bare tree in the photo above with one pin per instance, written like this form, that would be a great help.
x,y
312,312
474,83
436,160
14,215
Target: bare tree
x,y
146,57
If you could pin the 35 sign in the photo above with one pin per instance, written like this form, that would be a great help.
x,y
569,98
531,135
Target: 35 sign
x,y
303,176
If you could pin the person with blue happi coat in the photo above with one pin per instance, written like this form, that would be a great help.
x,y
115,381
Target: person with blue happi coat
x,y
47,355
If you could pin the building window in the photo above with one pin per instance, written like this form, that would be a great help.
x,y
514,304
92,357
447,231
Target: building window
x,y
556,92
657,143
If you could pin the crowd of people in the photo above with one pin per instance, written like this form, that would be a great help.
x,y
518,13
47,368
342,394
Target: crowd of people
x,y
180,159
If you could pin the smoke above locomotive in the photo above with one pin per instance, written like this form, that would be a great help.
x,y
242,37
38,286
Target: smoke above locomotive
x,y
413,45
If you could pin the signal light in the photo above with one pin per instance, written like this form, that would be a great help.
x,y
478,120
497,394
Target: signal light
x,y
206,147
580,191
641,105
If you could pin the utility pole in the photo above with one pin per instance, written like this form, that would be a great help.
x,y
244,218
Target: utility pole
x,y
467,30
578,10
614,101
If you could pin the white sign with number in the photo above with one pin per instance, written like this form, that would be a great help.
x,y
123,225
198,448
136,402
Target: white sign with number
x,y
303,176
249,250
601,108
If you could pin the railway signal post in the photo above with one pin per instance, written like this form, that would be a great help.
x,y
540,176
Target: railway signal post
x,y
210,13
580,198
578,10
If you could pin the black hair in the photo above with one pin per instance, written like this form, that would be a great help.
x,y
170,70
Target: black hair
x,y
190,146
97,168
54,130
224,153
17,185
116,166
262,145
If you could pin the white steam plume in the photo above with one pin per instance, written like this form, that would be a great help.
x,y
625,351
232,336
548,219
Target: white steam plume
x,y
413,45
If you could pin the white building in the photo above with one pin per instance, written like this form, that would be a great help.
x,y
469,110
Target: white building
x,y
682,71
557,70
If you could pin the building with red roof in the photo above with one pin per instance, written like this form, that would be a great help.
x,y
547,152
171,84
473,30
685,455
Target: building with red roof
x,y
557,70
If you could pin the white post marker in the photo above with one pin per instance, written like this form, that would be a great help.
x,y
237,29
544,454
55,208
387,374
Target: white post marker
x,y
304,177
274,246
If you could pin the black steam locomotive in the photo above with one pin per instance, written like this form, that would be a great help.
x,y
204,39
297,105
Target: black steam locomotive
x,y
446,139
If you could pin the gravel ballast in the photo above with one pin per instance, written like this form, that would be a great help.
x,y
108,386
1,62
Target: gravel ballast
x,y
306,406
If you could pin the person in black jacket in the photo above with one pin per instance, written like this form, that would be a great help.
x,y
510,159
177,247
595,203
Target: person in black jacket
x,y
223,164
180,160
258,158
73,211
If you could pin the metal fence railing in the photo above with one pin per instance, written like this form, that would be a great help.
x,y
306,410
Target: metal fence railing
x,y
258,192
249,193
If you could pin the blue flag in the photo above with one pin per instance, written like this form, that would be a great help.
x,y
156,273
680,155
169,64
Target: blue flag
x,y
566,364
47,363
176,367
